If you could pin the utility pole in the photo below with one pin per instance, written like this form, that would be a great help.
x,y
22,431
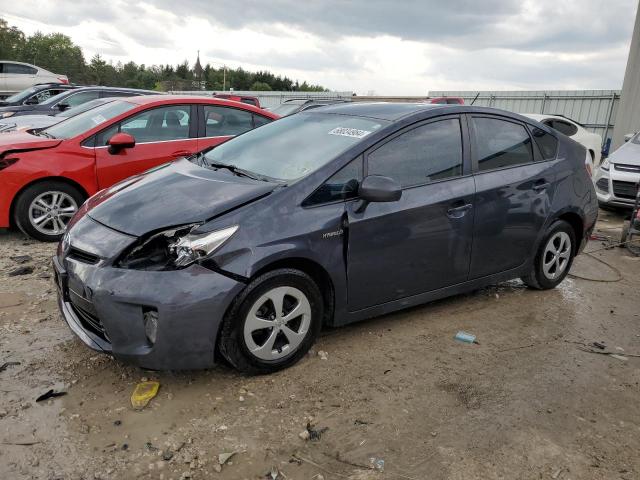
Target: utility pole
x,y
224,77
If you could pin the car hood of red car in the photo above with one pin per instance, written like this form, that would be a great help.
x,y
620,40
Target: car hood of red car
x,y
20,141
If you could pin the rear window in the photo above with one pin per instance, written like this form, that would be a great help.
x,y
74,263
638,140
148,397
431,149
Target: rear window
x,y
547,143
19,69
501,144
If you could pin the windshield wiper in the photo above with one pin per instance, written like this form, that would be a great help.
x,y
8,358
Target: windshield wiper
x,y
42,133
232,168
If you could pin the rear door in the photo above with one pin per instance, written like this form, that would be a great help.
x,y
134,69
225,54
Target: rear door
x,y
220,123
19,77
162,134
514,190
423,241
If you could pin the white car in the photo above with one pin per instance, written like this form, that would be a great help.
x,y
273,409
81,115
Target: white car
x,y
617,177
17,76
591,141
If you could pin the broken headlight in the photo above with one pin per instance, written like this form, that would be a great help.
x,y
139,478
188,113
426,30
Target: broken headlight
x,y
175,248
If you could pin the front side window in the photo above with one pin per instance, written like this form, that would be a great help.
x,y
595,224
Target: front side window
x,y
501,144
79,98
82,122
343,185
154,125
424,154
294,146
44,95
226,121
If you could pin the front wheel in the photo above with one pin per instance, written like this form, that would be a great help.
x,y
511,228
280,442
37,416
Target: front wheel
x,y
273,322
554,257
43,210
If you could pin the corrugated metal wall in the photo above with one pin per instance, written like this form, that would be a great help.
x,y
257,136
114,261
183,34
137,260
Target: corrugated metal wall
x,y
273,99
595,109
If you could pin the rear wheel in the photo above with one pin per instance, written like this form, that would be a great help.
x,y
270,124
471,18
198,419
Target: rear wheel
x,y
554,257
43,210
273,323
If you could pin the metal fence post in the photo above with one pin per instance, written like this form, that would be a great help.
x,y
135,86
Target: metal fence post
x,y
491,98
544,101
609,115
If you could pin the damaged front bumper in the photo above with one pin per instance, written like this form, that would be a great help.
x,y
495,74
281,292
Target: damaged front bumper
x,y
105,307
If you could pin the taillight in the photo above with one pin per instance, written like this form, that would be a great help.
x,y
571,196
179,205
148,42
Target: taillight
x,y
7,162
64,80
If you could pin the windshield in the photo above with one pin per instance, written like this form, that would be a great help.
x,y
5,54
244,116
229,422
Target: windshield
x,y
83,107
85,121
295,146
287,108
20,96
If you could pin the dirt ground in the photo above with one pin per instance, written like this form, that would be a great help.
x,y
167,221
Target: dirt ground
x,y
526,403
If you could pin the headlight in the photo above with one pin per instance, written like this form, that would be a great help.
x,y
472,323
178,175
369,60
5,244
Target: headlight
x,y
605,165
174,249
7,114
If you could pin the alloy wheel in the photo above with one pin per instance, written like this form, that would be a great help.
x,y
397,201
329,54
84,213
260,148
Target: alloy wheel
x,y
50,212
277,323
556,256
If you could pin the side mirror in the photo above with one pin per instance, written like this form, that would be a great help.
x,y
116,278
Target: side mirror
x,y
31,101
628,136
63,106
376,188
120,141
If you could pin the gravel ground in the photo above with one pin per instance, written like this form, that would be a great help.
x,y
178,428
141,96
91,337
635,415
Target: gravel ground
x,y
399,398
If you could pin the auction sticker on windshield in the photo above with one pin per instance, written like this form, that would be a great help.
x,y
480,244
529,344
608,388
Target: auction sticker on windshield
x,y
98,119
349,132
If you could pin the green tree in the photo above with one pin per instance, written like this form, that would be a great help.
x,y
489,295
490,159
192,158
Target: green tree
x,y
260,87
56,53
11,41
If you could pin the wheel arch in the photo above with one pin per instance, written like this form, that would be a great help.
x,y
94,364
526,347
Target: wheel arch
x,y
66,180
576,222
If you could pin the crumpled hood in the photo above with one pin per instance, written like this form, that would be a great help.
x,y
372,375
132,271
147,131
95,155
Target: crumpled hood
x,y
176,194
15,141
629,154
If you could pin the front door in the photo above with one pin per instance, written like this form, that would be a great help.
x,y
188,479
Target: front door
x,y
162,134
423,241
514,190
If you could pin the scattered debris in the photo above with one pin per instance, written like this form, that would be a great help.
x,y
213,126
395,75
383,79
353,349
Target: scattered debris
x,y
50,394
143,393
615,355
599,345
21,258
361,422
167,455
304,435
6,365
274,474
315,434
377,464
24,270
125,446
323,355
117,423
466,337
618,357
385,372
222,459
21,444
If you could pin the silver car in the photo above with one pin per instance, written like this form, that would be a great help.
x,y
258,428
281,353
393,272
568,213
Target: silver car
x,y
17,76
617,177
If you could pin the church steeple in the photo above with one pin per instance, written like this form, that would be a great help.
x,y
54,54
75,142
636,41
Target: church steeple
x,y
197,68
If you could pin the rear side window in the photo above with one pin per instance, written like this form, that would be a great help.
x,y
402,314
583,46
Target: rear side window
x,y
225,121
249,101
546,142
79,98
259,120
342,185
501,144
19,69
421,155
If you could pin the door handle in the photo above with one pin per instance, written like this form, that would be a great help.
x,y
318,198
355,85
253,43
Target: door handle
x,y
181,153
540,187
459,212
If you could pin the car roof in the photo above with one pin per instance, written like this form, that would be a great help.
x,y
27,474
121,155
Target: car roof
x,y
171,99
395,111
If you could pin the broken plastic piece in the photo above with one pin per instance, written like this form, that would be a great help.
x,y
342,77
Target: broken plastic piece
x,y
143,393
50,394
465,337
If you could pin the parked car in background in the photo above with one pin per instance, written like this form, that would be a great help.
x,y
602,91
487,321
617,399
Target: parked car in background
x,y
239,98
69,99
36,94
591,141
17,76
447,101
47,174
618,176
295,105
325,217
27,122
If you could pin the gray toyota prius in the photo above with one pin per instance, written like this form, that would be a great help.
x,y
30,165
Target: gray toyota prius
x,y
326,217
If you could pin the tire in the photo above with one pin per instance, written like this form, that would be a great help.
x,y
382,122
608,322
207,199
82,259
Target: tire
x,y
248,346
31,204
548,269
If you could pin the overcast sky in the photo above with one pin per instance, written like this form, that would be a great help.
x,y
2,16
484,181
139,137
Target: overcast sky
x,y
387,47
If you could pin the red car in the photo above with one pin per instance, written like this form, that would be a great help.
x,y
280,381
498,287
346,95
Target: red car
x,y
448,100
239,98
45,175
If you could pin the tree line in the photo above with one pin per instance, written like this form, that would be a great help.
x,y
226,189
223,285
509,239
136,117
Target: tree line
x,y
57,53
